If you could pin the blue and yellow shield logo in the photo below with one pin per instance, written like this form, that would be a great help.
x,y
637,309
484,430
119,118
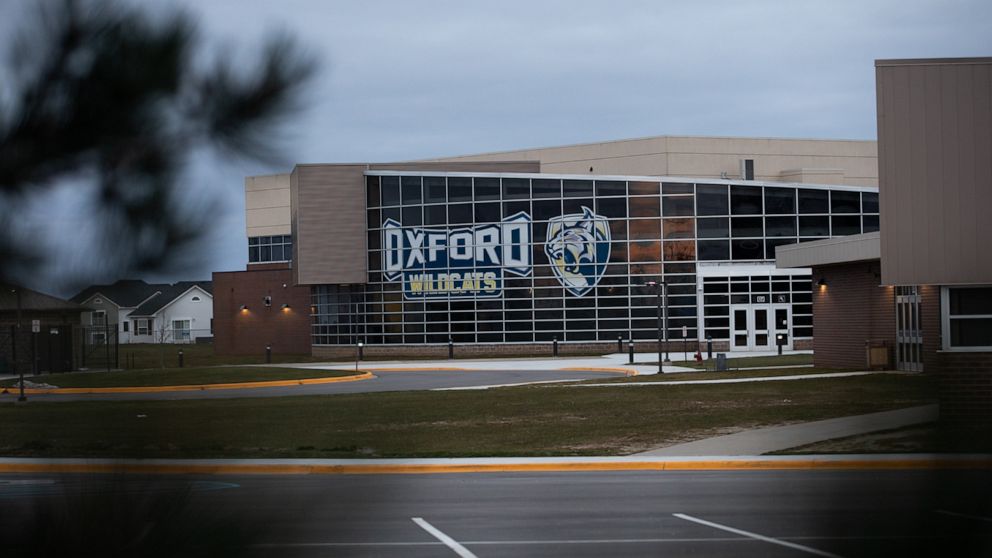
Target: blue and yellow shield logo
x,y
578,247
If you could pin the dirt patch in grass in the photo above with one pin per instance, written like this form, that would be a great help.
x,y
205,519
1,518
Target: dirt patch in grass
x,y
920,438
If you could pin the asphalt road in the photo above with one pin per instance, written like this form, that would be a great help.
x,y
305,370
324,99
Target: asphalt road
x,y
665,513
384,381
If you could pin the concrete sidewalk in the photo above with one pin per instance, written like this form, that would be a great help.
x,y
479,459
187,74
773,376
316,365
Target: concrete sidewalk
x,y
765,440
618,361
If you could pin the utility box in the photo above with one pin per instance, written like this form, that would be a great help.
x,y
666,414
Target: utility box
x,y
878,355
721,361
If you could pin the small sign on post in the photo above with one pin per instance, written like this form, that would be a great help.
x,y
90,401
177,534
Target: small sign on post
x,y
35,326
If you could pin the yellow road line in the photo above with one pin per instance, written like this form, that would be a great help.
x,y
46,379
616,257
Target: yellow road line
x,y
365,375
393,469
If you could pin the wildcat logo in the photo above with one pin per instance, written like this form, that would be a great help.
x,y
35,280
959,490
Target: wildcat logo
x,y
578,247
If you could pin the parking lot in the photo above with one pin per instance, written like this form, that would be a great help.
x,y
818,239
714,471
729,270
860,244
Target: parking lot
x,y
665,513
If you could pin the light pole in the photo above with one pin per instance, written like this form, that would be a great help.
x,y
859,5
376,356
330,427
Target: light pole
x,y
662,291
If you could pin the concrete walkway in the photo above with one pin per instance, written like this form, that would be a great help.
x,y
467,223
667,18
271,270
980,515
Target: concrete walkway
x,y
765,440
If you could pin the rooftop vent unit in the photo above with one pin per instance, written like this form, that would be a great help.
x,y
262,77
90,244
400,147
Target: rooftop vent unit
x,y
747,169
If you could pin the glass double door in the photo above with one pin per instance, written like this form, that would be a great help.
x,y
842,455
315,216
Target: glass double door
x,y
755,327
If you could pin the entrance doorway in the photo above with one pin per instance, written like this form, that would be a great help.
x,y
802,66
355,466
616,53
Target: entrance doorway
x,y
755,327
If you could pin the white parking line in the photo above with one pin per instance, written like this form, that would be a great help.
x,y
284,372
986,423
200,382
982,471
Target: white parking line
x,y
448,541
470,388
755,535
957,514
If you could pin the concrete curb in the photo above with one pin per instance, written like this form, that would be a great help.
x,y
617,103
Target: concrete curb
x,y
365,375
483,465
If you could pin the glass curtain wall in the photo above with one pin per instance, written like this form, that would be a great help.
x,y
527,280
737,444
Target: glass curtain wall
x,y
655,229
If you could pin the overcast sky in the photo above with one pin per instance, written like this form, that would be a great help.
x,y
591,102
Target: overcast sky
x,y
416,79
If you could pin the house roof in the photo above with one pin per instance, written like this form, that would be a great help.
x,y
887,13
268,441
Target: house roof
x,y
125,293
33,300
168,293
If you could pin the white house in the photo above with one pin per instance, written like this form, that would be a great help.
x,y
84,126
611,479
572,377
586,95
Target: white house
x,y
149,313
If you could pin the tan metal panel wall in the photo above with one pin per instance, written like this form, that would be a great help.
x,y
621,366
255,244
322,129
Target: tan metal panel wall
x,y
935,170
455,166
328,215
703,157
267,205
329,224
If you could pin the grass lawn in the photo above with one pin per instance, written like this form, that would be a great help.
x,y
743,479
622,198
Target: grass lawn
x,y
178,376
521,421
750,362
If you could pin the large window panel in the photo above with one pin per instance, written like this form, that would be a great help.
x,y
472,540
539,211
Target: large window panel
x,y
746,226
390,190
460,213
713,227
459,188
674,229
435,189
410,186
677,206
546,209
372,198
516,188
745,200
612,208
814,201
843,225
712,199
967,318
714,249
577,188
680,251
413,215
546,187
869,223
845,202
748,249
645,229
645,251
780,226
869,202
645,207
676,188
644,188
814,225
487,212
486,188
780,201
611,188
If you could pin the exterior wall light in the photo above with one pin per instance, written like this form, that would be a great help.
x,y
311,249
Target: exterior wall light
x,y
822,282
285,306
267,300
244,308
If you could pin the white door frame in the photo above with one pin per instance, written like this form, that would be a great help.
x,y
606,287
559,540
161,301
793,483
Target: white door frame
x,y
746,338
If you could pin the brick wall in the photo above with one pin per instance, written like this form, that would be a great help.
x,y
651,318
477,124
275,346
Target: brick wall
x,y
851,309
965,388
238,332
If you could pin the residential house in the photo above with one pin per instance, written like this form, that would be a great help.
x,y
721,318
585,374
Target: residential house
x,y
140,312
